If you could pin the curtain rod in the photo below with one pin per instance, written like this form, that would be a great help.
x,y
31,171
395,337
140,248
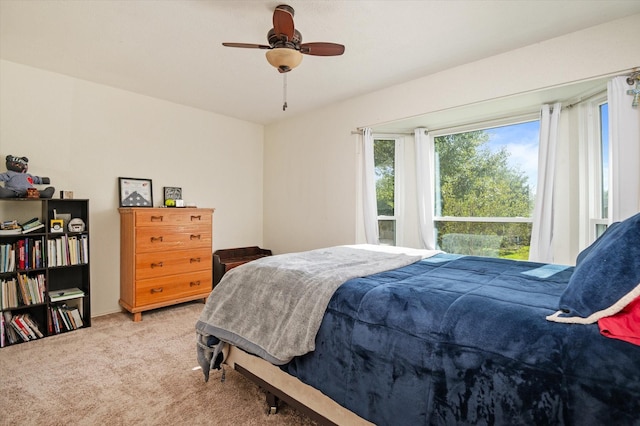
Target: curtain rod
x,y
522,116
359,132
584,99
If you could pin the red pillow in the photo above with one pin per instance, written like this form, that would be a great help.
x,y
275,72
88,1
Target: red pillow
x,y
625,325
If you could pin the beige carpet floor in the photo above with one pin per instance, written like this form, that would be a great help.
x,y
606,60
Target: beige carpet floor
x,y
119,372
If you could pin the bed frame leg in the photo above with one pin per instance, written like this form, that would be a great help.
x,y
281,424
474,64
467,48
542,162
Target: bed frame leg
x,y
272,401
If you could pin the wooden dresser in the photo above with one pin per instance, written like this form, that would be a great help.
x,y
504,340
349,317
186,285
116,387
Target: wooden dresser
x,y
165,257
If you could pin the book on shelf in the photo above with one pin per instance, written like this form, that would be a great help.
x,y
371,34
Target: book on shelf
x,y
30,222
25,253
23,323
73,250
22,290
32,225
55,326
2,338
33,325
19,330
68,250
32,228
65,294
65,317
26,328
32,288
10,227
9,288
77,318
7,258
11,336
7,224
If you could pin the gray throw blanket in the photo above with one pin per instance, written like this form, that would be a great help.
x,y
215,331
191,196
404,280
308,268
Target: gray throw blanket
x,y
272,307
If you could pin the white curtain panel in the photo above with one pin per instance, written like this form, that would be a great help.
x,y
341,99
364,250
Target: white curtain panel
x,y
624,151
369,202
541,249
425,167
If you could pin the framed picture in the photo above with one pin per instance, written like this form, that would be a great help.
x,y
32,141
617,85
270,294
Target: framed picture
x,y
171,195
135,192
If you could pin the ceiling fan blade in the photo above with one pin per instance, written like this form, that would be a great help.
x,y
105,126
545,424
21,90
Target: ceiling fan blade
x,y
247,45
283,21
322,49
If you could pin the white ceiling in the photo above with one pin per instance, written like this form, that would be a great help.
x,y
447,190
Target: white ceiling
x,y
171,49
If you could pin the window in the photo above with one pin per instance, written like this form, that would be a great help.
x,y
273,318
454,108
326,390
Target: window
x,y
485,184
387,162
603,165
594,168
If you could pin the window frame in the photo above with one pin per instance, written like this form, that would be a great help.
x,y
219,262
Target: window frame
x,y
484,125
591,170
478,126
399,185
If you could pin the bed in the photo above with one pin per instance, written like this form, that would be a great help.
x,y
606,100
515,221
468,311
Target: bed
x,y
431,338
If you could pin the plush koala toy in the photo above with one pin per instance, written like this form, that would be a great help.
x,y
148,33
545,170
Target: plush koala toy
x,y
17,180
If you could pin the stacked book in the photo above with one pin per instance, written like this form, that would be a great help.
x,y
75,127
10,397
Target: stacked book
x,y
65,294
10,227
64,317
32,225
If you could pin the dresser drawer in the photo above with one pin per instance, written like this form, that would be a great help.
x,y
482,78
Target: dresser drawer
x,y
172,287
154,239
168,217
152,265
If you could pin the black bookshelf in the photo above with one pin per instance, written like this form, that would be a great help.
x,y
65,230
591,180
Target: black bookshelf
x,y
39,268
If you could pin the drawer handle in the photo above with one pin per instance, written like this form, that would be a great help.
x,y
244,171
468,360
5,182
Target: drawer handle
x,y
156,290
196,217
194,237
154,239
157,265
156,218
194,283
194,259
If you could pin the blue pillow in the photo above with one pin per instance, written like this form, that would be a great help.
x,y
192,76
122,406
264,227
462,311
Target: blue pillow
x,y
606,277
595,244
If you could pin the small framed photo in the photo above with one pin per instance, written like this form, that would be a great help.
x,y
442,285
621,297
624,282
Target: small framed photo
x,y
171,195
135,192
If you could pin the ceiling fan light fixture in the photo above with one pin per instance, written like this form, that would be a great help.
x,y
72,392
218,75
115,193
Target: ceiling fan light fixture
x,y
285,59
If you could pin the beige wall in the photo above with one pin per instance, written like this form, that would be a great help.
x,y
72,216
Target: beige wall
x,y
84,136
312,160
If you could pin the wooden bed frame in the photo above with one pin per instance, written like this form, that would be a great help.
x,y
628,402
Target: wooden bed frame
x,y
283,386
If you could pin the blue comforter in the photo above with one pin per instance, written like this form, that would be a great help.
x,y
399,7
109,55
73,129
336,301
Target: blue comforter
x,y
464,340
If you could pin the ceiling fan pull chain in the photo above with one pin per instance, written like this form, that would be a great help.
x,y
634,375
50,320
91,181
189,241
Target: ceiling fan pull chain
x,y
284,92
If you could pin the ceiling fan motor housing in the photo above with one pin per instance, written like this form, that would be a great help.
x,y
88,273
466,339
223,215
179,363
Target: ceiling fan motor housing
x,y
277,41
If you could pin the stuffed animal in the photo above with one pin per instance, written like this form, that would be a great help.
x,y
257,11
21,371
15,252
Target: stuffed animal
x,y
17,181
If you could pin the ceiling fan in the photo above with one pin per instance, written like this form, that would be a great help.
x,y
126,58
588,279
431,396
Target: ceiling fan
x,y
285,48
